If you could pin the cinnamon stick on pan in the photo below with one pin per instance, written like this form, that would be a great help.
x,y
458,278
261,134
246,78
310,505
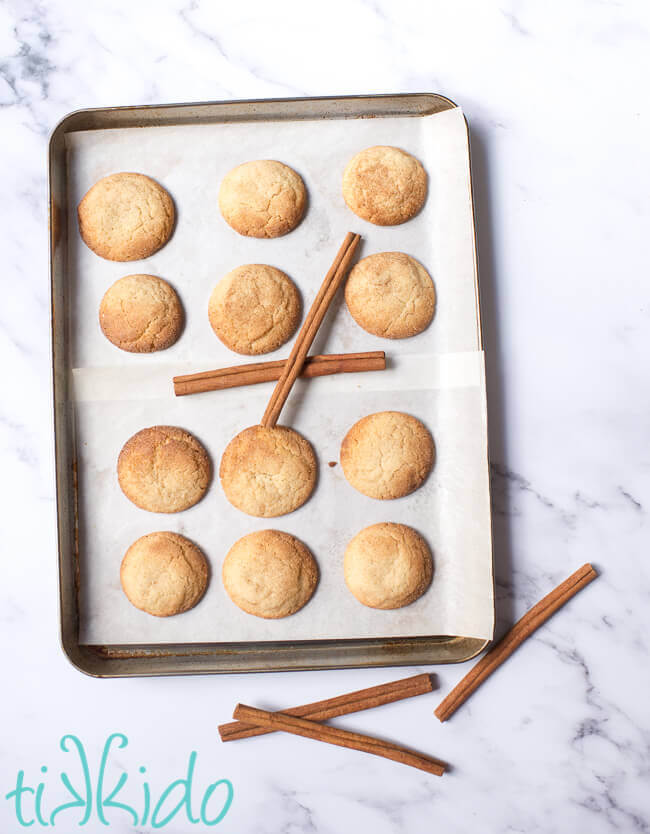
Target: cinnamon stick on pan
x,y
523,629
309,329
256,372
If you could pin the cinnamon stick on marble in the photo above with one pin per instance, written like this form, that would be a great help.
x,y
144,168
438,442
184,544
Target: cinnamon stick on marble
x,y
338,737
521,631
363,699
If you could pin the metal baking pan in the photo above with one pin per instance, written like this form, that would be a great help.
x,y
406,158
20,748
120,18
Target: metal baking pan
x,y
201,658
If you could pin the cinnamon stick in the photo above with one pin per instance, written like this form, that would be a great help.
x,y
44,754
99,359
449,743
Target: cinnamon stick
x,y
338,737
256,372
373,696
309,329
523,629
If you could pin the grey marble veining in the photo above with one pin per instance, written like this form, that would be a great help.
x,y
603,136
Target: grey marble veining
x,y
559,739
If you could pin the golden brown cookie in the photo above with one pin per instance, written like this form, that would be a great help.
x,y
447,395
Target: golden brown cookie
x,y
163,469
164,574
267,472
141,314
387,565
384,185
391,295
126,217
387,455
269,574
263,198
254,309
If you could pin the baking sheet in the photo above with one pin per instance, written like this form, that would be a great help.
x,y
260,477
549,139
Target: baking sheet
x,y
437,376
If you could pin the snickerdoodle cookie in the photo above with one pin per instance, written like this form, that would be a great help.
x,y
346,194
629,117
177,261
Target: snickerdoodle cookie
x,y
141,314
267,472
384,185
254,309
263,198
387,455
387,565
164,574
391,295
269,574
126,217
163,469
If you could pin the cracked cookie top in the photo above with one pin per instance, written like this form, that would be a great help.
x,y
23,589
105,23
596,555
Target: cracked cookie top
x,y
141,314
164,574
268,472
269,574
126,217
384,185
263,198
387,455
391,295
163,469
387,565
254,309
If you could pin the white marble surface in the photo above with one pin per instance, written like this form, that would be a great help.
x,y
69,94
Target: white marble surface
x,y
556,95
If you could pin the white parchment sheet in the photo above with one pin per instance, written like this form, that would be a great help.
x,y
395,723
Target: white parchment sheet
x,y
437,376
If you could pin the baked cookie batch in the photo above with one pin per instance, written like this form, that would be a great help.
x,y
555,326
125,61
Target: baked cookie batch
x,y
266,472
126,217
141,314
255,309
288,464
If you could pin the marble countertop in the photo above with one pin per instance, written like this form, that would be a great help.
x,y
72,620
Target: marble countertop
x,y
559,739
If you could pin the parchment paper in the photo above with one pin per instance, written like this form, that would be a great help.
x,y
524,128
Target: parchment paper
x,y
437,376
